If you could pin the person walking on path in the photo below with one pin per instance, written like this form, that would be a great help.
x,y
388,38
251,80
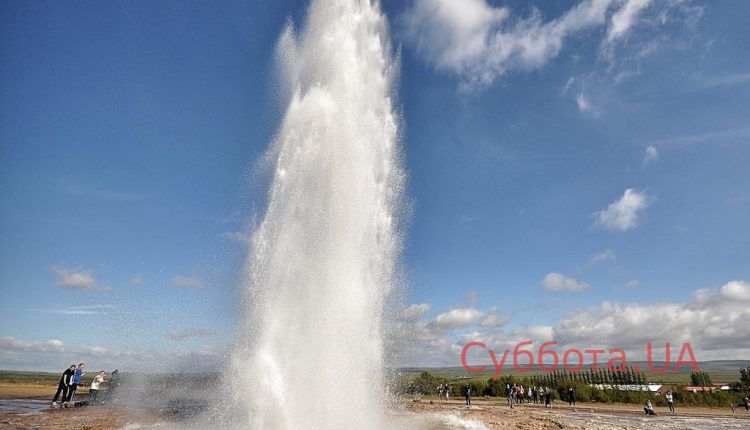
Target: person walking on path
x,y
467,394
670,401
62,386
77,376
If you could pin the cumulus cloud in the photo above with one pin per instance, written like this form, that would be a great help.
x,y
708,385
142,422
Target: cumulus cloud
x,y
196,332
736,290
185,281
624,213
479,42
9,344
413,334
558,283
75,279
651,156
456,318
711,320
21,353
54,354
414,312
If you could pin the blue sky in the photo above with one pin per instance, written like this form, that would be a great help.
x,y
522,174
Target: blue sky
x,y
130,133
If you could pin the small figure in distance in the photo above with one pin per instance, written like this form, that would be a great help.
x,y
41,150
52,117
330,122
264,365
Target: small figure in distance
x,y
670,401
745,403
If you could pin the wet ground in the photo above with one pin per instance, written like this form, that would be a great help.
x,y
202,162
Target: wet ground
x,y
23,406
37,414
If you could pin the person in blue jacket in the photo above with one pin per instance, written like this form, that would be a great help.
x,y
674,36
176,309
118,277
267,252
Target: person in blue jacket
x,y
77,376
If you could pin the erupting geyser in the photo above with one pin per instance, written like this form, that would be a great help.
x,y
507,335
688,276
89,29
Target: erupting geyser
x,y
310,352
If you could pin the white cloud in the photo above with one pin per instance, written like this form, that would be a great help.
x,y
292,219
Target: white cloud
x,y
54,354
75,310
712,321
137,280
456,318
622,214
557,283
736,290
9,344
652,155
75,279
492,318
185,281
585,106
607,254
197,332
479,42
414,312
625,18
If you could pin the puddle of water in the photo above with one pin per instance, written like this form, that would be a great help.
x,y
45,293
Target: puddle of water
x,y
23,406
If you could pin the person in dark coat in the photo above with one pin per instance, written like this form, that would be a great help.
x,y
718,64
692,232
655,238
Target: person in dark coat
x,y
571,397
62,386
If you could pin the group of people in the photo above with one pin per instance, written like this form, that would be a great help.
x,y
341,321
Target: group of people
x,y
71,379
443,392
517,395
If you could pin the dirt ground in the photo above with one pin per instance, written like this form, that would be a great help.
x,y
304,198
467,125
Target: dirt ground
x,y
494,413
14,390
85,418
90,418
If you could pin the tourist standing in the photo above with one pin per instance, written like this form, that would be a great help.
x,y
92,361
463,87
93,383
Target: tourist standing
x,y
94,389
467,394
547,397
670,401
745,403
77,376
114,382
62,386
571,397
510,393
